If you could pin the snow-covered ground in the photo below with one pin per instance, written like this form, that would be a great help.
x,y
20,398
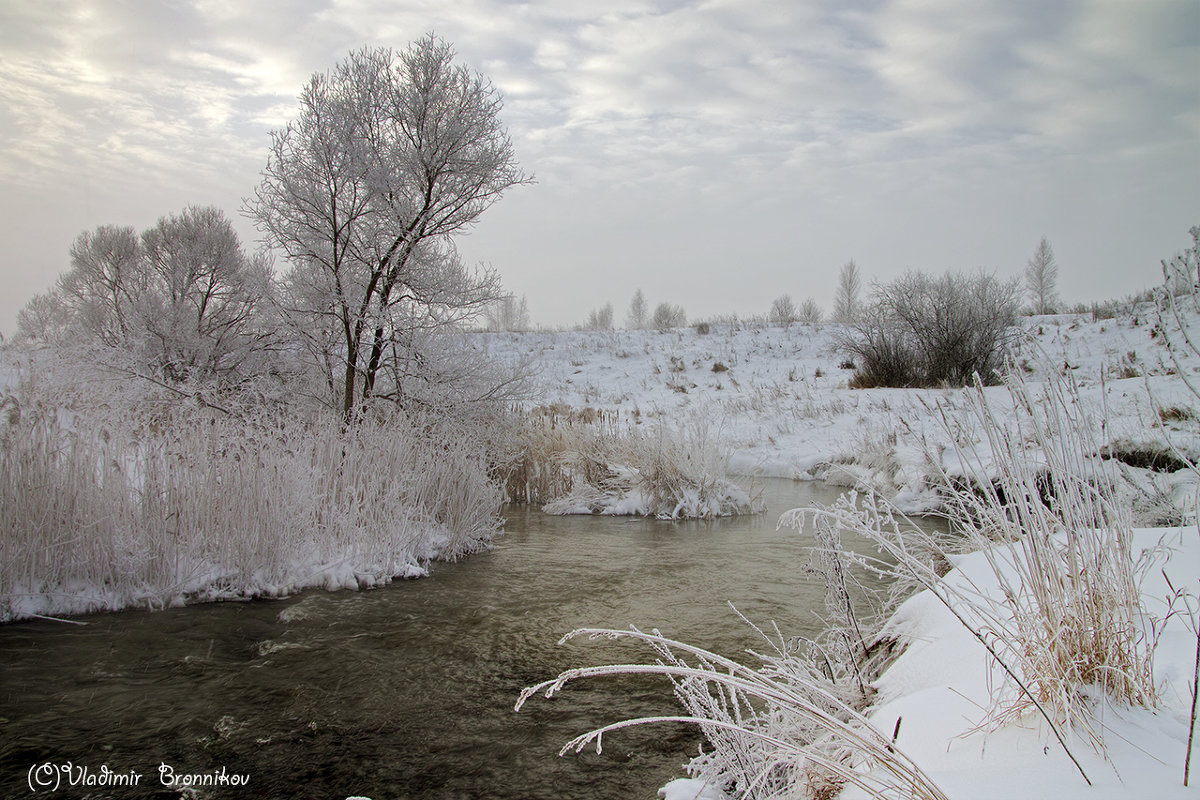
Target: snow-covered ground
x,y
777,399
779,402
942,685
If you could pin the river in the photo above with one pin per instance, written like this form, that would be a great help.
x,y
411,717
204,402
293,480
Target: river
x,y
407,691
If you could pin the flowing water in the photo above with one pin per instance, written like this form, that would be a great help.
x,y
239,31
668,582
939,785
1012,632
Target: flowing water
x,y
407,691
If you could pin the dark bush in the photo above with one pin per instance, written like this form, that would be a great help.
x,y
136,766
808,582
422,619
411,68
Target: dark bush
x,y
927,331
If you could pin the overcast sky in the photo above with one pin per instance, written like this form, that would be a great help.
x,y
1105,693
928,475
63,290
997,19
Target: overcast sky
x,y
715,154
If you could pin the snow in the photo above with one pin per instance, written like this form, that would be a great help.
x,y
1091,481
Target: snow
x,y
942,684
781,407
689,789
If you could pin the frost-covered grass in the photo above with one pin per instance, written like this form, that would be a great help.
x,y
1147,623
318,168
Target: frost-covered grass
x,y
586,462
99,512
778,730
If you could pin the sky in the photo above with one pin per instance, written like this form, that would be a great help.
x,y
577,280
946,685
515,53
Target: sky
x,y
715,154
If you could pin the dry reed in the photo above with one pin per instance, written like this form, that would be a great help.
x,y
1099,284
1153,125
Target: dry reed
x,y
101,513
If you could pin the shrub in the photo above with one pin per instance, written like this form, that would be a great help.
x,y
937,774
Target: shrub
x,y
668,316
927,331
884,354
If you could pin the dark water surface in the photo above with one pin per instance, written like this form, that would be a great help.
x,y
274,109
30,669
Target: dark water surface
x,y
407,691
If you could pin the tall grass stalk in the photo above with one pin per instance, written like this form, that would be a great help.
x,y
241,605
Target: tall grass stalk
x,y
778,731
1175,313
1066,623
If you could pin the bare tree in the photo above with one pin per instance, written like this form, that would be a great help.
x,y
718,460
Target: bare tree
x,y
183,299
846,302
105,283
783,311
810,313
1041,279
390,157
45,319
638,317
201,295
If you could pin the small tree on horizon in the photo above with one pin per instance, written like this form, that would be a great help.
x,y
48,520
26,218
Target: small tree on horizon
x,y
638,317
810,313
600,319
668,316
1041,279
508,314
847,303
783,311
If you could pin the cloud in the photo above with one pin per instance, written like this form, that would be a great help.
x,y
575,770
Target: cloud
x,y
811,127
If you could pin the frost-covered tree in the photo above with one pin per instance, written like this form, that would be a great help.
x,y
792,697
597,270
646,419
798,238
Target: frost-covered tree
x,y
105,283
200,295
810,313
45,319
1041,279
668,316
390,156
507,313
638,317
600,319
783,311
182,300
847,303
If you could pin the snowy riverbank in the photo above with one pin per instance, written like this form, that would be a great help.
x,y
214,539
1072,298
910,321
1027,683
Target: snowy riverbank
x,y
778,400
